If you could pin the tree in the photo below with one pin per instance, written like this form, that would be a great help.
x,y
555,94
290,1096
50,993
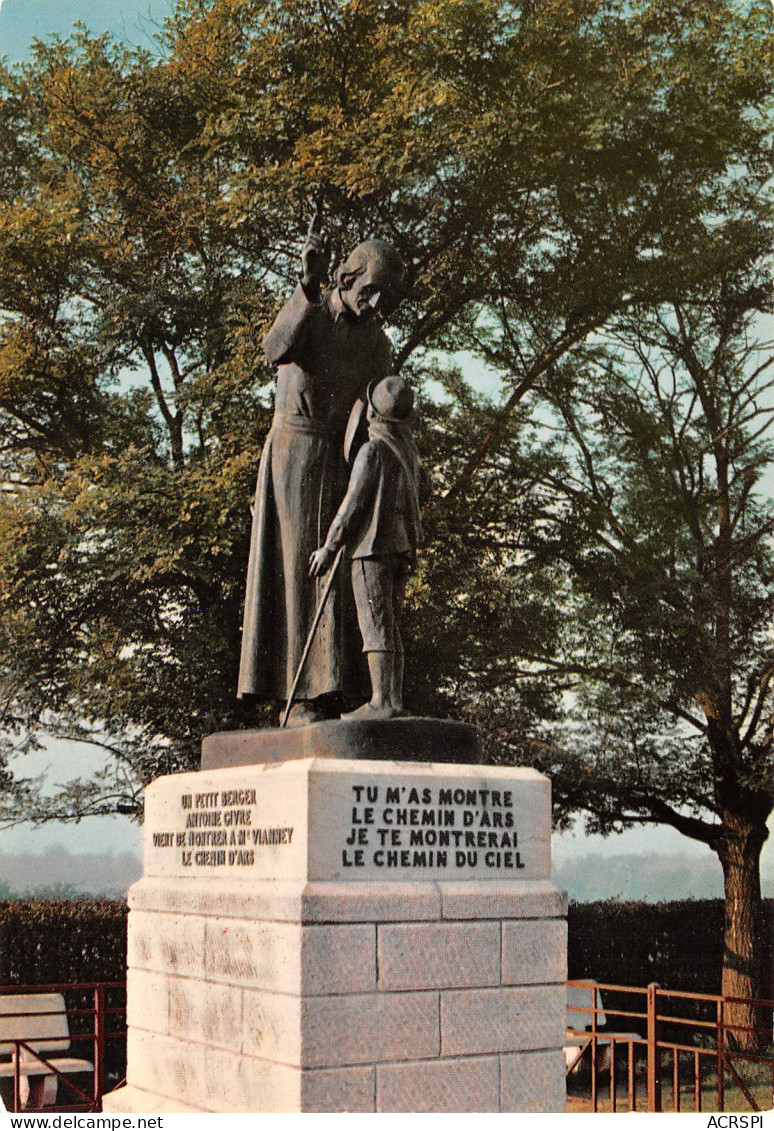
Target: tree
x,y
650,517
629,568
673,579
544,180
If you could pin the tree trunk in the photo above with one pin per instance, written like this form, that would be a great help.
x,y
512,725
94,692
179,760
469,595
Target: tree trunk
x,y
746,948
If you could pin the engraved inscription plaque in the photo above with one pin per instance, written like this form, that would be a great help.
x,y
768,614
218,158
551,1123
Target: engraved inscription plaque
x,y
317,820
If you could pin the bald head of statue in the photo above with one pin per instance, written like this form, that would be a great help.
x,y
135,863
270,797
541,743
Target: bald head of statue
x,y
370,281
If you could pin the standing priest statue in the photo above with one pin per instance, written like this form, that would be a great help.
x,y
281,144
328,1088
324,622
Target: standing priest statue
x,y
328,349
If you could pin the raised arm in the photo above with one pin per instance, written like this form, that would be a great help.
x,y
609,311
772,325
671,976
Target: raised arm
x,y
289,329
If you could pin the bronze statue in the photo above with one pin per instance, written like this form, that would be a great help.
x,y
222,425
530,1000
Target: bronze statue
x,y
380,523
328,349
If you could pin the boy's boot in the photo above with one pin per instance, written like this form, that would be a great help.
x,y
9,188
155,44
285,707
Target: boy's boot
x,y
381,668
396,689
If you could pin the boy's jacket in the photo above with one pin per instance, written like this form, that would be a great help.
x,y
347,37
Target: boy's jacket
x,y
378,515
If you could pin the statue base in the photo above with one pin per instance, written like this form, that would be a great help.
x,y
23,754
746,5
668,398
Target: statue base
x,y
395,740
323,935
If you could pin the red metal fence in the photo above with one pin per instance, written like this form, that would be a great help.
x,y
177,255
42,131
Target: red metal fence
x,y
677,1051
680,1052
90,1032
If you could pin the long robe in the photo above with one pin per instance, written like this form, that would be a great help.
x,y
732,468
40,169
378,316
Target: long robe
x,y
326,359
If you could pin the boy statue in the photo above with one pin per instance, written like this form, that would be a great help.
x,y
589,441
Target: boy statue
x,y
379,523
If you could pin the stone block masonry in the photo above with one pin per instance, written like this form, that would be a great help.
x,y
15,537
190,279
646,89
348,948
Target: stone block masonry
x,y
300,982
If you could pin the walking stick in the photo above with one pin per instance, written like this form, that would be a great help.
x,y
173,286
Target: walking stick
x,y
307,647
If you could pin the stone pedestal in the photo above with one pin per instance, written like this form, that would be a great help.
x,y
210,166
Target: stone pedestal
x,y
335,935
411,739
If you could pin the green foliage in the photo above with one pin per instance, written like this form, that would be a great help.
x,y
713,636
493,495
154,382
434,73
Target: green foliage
x,y
678,944
51,941
661,517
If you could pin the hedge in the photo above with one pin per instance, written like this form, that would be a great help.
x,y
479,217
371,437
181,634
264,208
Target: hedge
x,y
50,941
679,945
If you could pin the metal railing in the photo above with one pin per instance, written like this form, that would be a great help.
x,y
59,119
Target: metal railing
x,y
686,1051
682,1058
96,1017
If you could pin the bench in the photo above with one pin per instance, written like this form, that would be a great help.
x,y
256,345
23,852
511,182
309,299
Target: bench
x,y
40,1020
586,997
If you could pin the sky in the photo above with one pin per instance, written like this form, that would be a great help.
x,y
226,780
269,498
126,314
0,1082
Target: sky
x,y
21,21
135,22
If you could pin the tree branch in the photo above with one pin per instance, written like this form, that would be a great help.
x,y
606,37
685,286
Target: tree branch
x,y
172,420
492,439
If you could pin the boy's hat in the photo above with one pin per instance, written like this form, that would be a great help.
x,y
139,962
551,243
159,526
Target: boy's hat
x,y
391,399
